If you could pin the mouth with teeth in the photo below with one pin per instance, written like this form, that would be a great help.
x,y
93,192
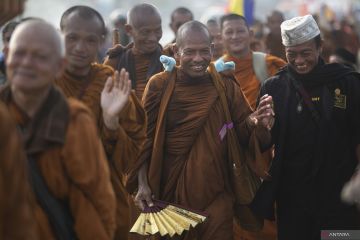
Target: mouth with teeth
x,y
198,67
302,68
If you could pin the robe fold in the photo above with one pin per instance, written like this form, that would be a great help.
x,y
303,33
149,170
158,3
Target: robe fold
x,y
250,85
123,145
16,215
141,67
245,74
63,139
187,159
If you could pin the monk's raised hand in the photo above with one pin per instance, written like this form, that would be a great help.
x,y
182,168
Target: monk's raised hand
x,y
114,97
264,114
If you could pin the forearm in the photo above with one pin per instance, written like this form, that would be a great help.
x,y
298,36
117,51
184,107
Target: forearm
x,y
142,175
244,130
263,135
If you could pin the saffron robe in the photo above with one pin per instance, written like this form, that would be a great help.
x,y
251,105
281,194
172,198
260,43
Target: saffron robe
x,y
245,74
16,215
63,140
140,66
187,160
122,146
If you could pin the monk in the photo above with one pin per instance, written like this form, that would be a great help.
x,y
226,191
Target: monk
x,y
121,128
236,36
66,161
178,17
215,32
273,38
16,216
184,159
141,57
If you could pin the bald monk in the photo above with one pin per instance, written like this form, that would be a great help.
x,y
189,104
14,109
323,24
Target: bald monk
x,y
214,29
179,16
236,37
121,129
66,160
16,215
184,159
141,57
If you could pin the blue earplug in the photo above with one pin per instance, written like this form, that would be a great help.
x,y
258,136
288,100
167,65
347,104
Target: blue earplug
x,y
168,62
221,66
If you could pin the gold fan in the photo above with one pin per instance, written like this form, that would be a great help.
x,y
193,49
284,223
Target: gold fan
x,y
165,218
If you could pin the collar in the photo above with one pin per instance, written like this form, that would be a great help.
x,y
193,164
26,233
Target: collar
x,y
48,126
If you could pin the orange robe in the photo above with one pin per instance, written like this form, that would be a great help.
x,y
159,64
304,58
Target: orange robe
x,y
63,140
250,85
186,157
245,74
122,146
16,216
140,66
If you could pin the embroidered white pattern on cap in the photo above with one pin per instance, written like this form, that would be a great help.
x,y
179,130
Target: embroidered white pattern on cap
x,y
298,30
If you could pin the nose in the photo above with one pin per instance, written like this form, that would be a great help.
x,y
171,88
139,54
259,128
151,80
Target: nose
x,y
80,46
27,60
235,34
152,37
197,57
299,59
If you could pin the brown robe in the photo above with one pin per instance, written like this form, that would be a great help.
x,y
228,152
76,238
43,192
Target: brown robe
x,y
140,66
16,216
187,160
250,85
63,140
122,146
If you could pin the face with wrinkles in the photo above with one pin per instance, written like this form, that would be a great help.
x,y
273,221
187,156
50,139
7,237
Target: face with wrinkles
x,y
34,57
146,34
303,57
195,53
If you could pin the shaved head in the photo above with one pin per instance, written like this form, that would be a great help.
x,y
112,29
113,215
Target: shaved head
x,y
139,14
35,57
187,30
36,28
86,13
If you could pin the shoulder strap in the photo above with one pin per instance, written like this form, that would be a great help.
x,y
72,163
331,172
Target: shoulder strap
x,y
231,135
259,66
57,211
